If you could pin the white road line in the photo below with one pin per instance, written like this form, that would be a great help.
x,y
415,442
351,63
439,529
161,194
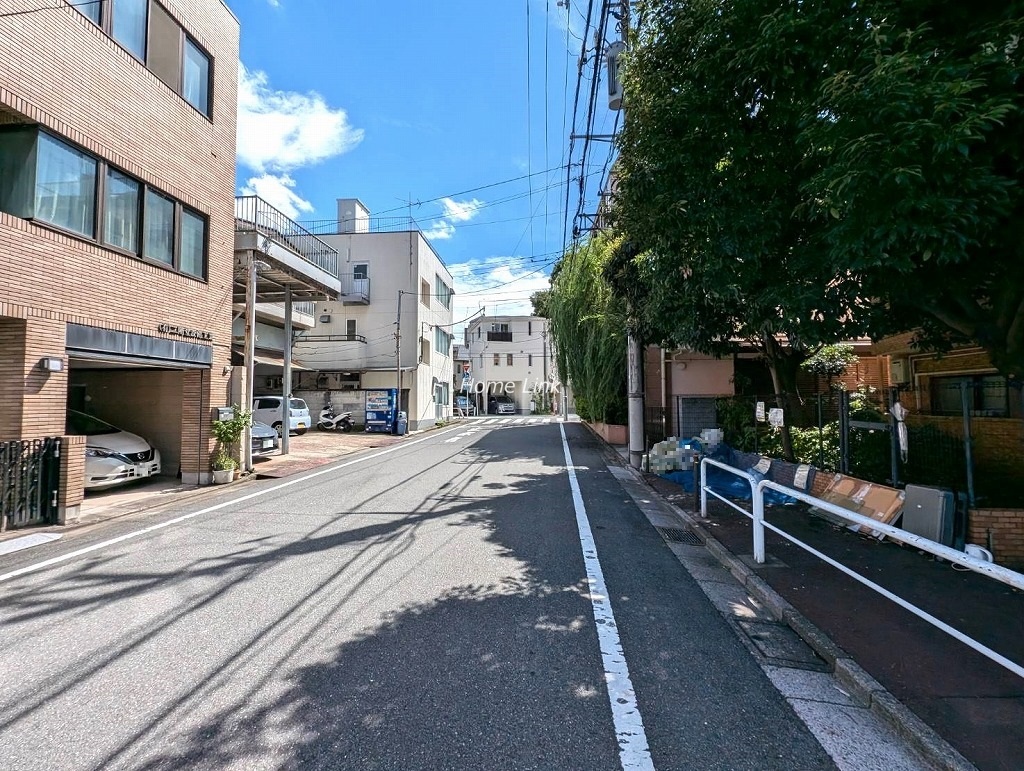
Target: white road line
x,y
505,420
634,751
160,526
546,420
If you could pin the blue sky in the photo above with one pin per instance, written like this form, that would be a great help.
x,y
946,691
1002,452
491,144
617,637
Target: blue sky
x,y
437,103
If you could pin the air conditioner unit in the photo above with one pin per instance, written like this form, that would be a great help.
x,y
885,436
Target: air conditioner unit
x,y
349,385
899,370
275,382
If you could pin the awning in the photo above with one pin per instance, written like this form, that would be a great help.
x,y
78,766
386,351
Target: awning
x,y
271,359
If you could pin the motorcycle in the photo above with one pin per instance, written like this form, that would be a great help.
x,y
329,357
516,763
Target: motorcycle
x,y
329,420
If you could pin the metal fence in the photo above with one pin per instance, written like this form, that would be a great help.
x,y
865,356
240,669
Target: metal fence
x,y
964,434
29,482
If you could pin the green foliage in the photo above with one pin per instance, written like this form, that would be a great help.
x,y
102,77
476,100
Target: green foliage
x,y
831,360
539,301
821,170
227,433
588,325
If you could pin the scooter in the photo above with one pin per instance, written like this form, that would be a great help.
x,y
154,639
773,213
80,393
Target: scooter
x,y
330,420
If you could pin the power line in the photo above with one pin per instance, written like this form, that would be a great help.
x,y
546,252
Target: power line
x,y
472,190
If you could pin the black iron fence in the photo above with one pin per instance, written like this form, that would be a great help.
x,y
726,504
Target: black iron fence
x,y
964,434
29,482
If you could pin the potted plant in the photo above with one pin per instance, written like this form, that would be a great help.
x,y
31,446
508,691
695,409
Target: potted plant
x,y
227,433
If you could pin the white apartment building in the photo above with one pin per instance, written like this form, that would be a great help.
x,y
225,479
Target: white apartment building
x,y
389,280
511,355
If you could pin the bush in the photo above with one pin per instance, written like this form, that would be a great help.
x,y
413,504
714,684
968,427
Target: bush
x,y
227,433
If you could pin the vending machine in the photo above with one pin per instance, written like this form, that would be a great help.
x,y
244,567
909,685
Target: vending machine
x,y
381,410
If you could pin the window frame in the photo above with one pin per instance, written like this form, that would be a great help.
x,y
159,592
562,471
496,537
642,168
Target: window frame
x,y
105,12
98,237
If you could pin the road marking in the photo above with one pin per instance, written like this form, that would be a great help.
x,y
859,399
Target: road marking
x,y
634,751
160,526
505,420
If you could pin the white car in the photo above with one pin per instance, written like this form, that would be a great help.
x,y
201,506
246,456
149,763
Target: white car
x,y
267,409
112,456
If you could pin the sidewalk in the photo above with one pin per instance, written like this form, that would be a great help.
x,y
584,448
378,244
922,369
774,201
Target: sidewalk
x,y
969,701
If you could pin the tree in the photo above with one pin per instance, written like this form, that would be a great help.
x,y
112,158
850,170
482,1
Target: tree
x,y
539,301
710,177
830,361
919,175
588,327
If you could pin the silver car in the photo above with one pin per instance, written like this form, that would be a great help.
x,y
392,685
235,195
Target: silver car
x,y
264,439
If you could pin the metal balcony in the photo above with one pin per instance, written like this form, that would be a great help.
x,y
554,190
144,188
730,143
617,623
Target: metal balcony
x,y
287,254
354,291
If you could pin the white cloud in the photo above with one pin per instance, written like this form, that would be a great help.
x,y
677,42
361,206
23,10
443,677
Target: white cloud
x,y
283,130
501,285
463,211
440,231
454,211
278,191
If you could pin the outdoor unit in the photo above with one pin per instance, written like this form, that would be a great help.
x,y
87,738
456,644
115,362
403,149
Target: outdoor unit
x,y
899,370
928,512
275,382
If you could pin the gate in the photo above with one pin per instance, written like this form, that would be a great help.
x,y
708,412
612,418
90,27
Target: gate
x,y
29,482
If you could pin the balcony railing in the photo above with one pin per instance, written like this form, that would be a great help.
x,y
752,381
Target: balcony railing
x,y
354,290
253,214
368,225
342,338
499,337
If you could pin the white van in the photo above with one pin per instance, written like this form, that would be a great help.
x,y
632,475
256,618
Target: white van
x,y
267,409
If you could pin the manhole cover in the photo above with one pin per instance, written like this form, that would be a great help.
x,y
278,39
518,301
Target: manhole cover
x,y
677,535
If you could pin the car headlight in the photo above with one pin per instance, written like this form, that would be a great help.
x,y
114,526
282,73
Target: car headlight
x,y
97,452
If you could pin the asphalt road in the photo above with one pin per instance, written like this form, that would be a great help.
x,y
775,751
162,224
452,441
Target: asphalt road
x,y
422,607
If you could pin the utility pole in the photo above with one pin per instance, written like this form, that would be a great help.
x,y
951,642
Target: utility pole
x,y
634,360
546,395
250,356
398,355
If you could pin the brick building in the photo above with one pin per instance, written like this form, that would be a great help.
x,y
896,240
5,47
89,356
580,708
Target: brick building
x,y
117,162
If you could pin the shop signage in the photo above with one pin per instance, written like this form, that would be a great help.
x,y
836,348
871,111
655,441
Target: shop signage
x,y
192,334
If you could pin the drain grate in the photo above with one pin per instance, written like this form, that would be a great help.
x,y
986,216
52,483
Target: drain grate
x,y
677,535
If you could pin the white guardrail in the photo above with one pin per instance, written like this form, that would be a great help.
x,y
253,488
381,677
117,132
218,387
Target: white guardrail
x,y
757,488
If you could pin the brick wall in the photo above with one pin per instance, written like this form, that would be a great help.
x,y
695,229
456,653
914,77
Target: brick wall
x,y
72,478
1003,529
59,70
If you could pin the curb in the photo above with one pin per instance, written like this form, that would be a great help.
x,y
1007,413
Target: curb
x,y
862,686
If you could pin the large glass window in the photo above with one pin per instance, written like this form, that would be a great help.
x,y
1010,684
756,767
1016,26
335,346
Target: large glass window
x,y
121,212
196,78
193,243
159,243
90,9
129,25
65,186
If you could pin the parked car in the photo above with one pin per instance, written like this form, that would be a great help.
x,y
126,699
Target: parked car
x,y
267,409
264,438
112,456
499,404
464,406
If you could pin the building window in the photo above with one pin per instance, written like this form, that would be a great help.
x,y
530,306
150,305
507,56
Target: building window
x,y
529,329
121,211
128,26
90,10
361,271
195,85
529,360
193,243
987,395
45,179
478,333
443,292
424,350
154,37
65,186
508,359
350,329
424,292
497,360
442,341
159,233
